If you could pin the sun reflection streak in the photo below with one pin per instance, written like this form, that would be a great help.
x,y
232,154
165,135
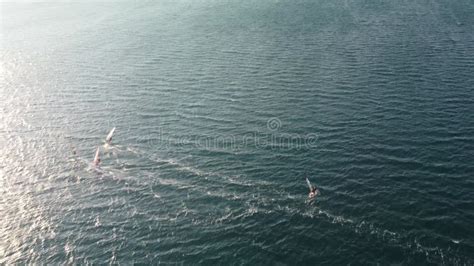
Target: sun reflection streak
x,y
25,220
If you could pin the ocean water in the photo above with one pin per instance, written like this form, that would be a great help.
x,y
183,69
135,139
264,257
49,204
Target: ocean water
x,y
221,109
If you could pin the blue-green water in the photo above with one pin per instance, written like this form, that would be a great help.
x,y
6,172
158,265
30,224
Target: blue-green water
x,y
221,109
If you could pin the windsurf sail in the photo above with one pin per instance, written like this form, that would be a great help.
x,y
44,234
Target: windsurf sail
x,y
309,184
108,139
97,157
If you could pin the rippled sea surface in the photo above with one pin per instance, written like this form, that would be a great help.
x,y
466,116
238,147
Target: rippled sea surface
x,y
221,109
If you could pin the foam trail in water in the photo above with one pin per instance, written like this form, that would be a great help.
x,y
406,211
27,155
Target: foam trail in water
x,y
403,241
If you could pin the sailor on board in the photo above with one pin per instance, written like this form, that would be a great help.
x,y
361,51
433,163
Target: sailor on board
x,y
313,191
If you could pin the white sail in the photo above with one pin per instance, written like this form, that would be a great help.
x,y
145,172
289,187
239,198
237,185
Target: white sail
x,y
108,139
309,184
97,157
